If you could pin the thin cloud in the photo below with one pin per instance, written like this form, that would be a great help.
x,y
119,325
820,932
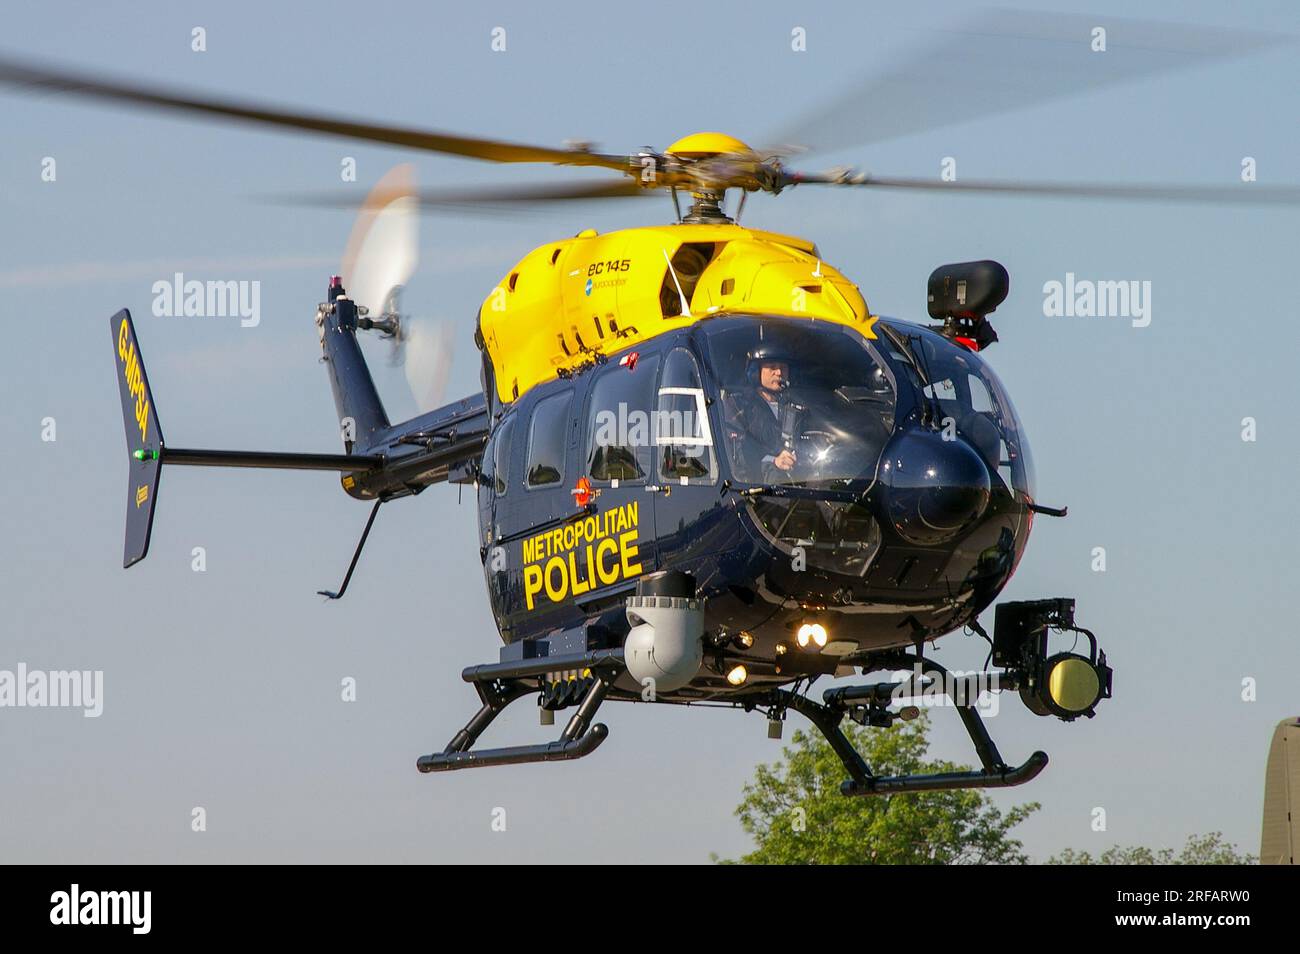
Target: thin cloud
x,y
440,259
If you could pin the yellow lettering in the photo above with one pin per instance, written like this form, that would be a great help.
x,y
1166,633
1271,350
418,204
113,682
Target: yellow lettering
x,y
532,583
573,575
606,546
552,561
556,593
628,551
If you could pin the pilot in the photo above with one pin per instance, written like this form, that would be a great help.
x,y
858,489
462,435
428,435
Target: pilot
x,y
758,411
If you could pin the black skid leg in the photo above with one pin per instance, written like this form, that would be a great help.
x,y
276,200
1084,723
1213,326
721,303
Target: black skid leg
x,y
495,699
828,721
827,718
579,737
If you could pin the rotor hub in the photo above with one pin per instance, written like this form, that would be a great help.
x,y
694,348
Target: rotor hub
x,y
704,144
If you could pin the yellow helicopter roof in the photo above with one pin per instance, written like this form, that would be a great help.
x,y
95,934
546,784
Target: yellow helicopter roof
x,y
569,300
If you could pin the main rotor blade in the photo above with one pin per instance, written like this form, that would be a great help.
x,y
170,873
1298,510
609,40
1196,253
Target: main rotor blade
x,y
996,61
21,74
1247,193
486,200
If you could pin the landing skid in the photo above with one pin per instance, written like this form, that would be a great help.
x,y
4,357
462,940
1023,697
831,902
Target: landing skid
x,y
867,704
500,684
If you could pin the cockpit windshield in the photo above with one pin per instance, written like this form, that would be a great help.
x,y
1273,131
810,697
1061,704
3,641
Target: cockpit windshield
x,y
803,403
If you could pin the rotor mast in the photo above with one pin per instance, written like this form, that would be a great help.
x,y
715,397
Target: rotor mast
x,y
708,158
706,209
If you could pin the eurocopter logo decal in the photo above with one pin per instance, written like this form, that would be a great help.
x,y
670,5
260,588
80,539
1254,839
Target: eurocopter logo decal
x,y
571,560
588,286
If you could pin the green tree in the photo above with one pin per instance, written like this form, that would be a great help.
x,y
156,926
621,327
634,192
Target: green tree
x,y
1208,849
796,815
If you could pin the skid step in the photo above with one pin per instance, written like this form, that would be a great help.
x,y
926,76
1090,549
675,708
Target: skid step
x,y
560,751
579,737
997,777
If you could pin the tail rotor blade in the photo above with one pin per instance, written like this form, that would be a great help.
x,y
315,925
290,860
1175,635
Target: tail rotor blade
x,y
426,360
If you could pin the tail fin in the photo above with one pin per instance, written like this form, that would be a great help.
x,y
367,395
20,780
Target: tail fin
x,y
144,438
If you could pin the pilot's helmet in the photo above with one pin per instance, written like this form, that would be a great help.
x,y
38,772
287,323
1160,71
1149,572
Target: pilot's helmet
x,y
767,354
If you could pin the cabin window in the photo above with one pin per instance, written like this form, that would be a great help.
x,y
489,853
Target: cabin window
x,y
619,432
682,434
547,436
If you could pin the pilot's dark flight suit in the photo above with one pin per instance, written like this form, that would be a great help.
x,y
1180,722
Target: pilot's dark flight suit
x,y
761,440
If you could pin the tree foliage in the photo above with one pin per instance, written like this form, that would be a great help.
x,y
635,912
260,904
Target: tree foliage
x,y
795,813
1208,849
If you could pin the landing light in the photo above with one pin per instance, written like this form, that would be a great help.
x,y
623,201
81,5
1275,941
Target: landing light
x,y
811,633
738,675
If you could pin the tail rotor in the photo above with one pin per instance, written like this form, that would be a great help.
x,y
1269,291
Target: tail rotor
x,y
381,256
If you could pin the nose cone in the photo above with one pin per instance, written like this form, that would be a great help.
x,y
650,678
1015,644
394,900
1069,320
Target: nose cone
x,y
935,489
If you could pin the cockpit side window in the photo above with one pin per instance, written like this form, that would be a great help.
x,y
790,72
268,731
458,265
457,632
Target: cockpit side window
x,y
682,434
619,436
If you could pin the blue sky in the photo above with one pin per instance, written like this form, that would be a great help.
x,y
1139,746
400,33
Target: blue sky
x,y
222,687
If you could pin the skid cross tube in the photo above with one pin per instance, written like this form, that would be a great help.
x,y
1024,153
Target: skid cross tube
x,y
827,717
500,684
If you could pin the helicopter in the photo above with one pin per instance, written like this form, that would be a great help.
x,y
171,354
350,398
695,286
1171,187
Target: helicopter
x,y
705,473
